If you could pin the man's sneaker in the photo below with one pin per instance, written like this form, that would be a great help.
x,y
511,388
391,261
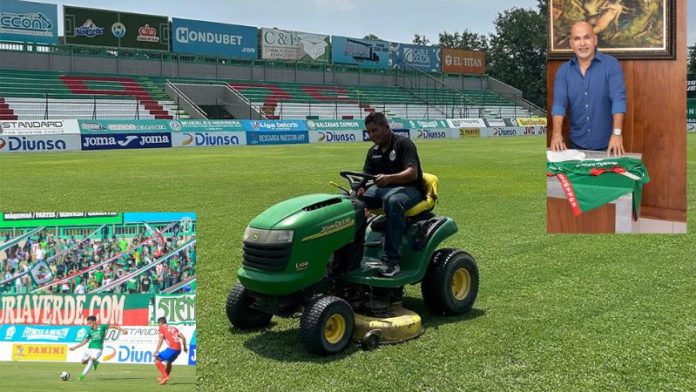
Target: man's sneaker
x,y
95,364
164,380
390,268
81,377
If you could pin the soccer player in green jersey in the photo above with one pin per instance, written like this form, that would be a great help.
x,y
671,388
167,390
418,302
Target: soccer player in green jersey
x,y
95,337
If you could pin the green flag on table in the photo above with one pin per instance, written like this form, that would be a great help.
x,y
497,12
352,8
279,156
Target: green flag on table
x,y
589,184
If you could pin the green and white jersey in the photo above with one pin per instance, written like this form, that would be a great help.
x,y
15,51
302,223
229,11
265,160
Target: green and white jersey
x,y
96,336
590,184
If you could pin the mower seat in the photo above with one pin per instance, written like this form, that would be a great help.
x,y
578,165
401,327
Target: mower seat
x,y
425,205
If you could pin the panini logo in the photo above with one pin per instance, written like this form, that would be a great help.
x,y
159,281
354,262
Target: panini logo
x,y
469,132
39,352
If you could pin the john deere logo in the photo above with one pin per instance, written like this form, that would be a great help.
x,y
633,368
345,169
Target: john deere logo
x,y
255,236
332,228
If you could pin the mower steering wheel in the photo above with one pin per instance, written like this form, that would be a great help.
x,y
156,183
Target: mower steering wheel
x,y
358,180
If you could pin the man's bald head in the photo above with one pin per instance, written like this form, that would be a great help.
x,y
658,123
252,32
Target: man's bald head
x,y
582,27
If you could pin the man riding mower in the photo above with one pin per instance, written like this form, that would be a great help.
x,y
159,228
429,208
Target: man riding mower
x,y
319,256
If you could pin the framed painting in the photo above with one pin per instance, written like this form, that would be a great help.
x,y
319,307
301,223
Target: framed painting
x,y
626,29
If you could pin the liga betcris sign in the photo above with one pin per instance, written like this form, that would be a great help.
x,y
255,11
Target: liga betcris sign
x,y
458,61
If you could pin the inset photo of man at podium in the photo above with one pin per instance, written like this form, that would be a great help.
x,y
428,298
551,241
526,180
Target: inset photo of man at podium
x,y
616,156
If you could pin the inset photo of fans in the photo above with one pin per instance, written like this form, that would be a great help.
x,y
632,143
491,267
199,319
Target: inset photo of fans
x,y
98,296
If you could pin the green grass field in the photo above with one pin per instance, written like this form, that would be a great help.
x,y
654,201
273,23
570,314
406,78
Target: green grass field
x,y
43,376
554,312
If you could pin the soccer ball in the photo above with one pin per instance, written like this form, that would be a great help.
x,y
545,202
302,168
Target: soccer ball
x,y
118,30
65,376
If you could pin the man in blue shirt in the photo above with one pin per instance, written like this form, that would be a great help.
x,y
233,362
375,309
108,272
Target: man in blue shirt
x,y
592,84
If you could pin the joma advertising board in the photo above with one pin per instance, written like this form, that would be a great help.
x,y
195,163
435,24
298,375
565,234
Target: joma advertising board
x,y
126,141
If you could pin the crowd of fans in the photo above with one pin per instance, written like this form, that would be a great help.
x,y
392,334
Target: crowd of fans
x,y
91,252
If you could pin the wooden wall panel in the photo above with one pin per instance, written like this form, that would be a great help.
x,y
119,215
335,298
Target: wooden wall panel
x,y
599,220
655,124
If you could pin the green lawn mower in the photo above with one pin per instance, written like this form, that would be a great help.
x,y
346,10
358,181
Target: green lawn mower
x,y
317,256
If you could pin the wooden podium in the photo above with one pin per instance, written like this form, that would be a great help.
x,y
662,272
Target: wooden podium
x,y
613,217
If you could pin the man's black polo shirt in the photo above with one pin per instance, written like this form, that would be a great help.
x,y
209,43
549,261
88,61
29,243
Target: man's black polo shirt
x,y
399,155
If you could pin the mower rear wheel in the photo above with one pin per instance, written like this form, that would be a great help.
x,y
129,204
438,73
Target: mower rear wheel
x,y
451,284
327,325
241,314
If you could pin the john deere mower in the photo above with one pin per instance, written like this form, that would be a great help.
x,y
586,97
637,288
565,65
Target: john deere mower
x,y
317,257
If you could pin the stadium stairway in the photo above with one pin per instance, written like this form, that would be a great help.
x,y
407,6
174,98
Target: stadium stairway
x,y
6,112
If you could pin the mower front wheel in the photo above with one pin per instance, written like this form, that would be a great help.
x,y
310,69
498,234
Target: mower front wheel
x,y
241,314
451,284
327,325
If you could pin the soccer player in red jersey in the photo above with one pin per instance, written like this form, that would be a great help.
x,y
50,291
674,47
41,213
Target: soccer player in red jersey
x,y
175,342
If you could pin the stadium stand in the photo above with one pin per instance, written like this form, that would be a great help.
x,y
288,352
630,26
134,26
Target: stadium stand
x,y
29,95
80,263
300,101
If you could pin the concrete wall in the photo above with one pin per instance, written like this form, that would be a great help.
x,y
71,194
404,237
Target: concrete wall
x,y
174,68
